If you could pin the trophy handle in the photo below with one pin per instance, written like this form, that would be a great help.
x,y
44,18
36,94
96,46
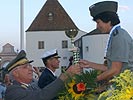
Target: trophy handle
x,y
76,57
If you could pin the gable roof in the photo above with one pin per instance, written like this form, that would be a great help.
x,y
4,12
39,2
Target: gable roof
x,y
94,32
52,17
8,50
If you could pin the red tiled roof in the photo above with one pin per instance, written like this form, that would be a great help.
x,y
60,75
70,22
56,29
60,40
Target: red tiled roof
x,y
52,17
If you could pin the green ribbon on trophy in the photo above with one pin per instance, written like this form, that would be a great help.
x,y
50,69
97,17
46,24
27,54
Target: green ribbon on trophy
x,y
72,33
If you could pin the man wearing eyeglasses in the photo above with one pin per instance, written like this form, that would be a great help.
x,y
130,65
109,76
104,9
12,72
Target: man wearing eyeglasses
x,y
21,72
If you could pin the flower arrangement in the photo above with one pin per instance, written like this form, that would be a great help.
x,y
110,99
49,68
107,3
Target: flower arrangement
x,y
121,89
80,87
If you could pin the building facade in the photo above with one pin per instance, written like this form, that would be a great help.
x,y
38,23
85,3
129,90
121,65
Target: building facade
x,y
6,55
92,46
47,31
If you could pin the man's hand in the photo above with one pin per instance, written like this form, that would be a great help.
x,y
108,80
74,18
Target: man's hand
x,y
72,70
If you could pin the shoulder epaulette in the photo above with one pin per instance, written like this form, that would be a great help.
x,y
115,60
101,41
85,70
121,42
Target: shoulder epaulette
x,y
115,32
24,86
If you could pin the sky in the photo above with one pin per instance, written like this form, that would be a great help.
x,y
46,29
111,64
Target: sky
x,y
78,10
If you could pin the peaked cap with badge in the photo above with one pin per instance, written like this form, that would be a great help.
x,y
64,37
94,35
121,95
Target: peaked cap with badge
x,y
104,6
49,54
19,60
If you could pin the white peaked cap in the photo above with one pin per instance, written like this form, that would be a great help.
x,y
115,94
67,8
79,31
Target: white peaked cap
x,y
49,54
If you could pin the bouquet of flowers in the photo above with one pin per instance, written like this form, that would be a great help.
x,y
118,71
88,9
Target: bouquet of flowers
x,y
121,89
80,87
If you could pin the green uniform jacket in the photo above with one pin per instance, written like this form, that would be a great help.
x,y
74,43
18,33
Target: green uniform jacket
x,y
19,91
121,49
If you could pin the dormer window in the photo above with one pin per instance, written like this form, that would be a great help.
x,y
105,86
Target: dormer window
x,y
50,16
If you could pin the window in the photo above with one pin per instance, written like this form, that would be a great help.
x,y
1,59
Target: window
x,y
40,44
87,49
64,44
50,16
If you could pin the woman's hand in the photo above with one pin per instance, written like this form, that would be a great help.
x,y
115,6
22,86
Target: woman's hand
x,y
84,63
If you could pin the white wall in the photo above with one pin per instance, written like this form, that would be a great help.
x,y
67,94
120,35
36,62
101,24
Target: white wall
x,y
96,46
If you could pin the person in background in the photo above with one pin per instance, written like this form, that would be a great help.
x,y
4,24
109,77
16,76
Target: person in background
x,y
119,48
70,61
51,61
7,80
36,75
2,90
36,72
21,72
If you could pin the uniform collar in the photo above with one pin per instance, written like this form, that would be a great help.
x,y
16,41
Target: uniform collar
x,y
109,38
114,27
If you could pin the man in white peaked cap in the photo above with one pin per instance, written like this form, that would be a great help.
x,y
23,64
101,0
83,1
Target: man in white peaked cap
x,y
51,61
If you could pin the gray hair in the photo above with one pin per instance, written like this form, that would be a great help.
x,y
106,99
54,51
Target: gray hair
x,y
11,76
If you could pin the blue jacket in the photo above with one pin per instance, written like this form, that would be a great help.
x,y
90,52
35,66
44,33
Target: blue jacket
x,y
46,78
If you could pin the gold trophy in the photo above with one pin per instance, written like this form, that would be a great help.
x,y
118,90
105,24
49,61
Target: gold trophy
x,y
72,33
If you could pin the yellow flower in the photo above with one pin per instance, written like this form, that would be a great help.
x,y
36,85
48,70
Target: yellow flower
x,y
129,92
72,90
123,87
78,87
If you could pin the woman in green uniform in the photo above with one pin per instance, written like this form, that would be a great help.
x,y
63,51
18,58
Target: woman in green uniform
x,y
119,48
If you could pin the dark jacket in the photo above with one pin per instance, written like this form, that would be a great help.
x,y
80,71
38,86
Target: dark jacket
x,y
46,78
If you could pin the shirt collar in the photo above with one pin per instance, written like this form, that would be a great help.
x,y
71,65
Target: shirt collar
x,y
51,71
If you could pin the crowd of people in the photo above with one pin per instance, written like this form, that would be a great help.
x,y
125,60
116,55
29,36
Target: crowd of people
x,y
20,84
25,87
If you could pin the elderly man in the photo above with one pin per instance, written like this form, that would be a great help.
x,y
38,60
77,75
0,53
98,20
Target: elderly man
x,y
22,74
51,61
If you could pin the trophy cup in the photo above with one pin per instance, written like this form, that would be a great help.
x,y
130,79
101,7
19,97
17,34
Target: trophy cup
x,y
75,50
